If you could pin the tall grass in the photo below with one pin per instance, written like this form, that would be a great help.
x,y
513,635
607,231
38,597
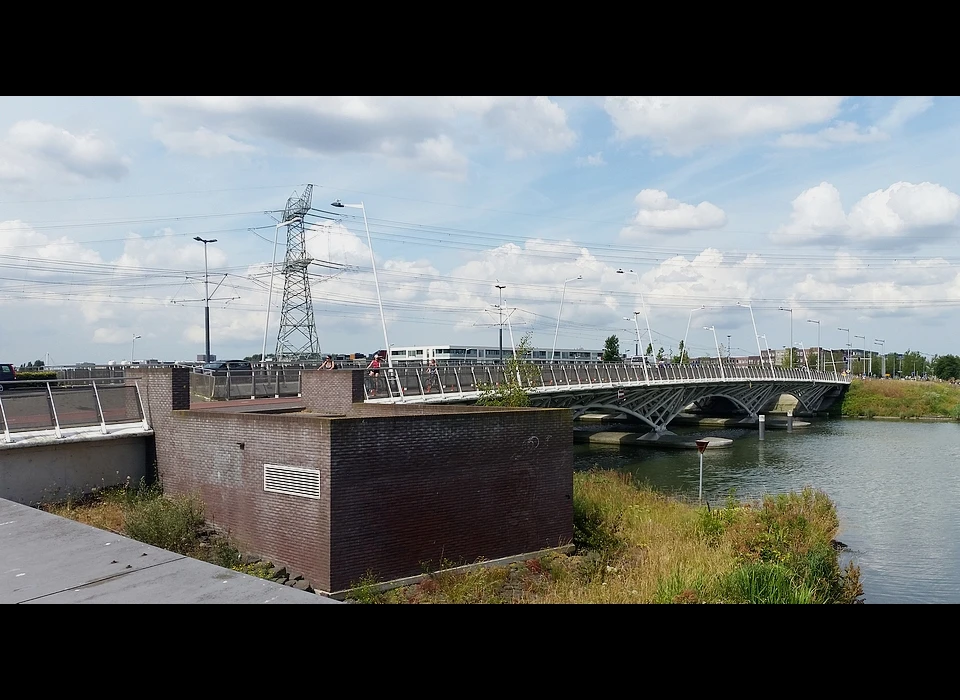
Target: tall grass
x,y
904,399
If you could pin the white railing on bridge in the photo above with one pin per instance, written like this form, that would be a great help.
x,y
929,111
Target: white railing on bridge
x,y
37,407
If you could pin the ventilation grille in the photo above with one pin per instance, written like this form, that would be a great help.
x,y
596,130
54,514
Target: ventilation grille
x,y
293,481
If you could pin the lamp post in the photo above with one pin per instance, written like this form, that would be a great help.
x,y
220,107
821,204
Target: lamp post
x,y
883,357
501,287
553,353
783,308
819,349
206,296
769,354
689,318
273,268
717,343
759,351
728,347
864,339
376,282
849,346
643,305
805,358
646,375
132,346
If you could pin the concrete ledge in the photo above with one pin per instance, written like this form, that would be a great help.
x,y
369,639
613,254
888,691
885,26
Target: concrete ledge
x,y
640,440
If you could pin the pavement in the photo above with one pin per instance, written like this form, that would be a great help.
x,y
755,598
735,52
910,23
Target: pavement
x,y
45,558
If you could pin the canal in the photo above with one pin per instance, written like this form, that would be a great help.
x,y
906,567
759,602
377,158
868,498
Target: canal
x,y
896,485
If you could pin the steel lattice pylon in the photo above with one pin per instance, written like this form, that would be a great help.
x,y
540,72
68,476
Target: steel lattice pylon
x,y
297,339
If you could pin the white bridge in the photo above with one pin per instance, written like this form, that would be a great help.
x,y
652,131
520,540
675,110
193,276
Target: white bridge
x,y
654,395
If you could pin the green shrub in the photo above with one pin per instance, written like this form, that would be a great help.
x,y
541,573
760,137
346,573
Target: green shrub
x,y
171,523
40,375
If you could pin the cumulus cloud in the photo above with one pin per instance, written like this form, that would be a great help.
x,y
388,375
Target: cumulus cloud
x,y
903,214
681,125
658,213
422,131
34,149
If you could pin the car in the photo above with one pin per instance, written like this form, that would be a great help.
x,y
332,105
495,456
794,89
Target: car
x,y
7,373
224,367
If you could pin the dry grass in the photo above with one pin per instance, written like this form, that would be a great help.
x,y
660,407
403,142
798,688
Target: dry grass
x,y
649,548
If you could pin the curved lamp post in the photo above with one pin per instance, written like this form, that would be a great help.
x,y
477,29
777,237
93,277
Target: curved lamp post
x,y
376,282
819,349
643,304
689,318
783,308
759,351
553,353
717,343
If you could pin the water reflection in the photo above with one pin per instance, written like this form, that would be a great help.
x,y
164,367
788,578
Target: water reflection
x,y
896,486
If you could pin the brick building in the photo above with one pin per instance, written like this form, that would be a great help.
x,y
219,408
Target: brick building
x,y
344,490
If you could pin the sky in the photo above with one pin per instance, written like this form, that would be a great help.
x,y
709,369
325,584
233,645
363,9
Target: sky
x,y
820,220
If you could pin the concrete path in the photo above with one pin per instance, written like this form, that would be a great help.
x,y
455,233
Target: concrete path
x,y
45,558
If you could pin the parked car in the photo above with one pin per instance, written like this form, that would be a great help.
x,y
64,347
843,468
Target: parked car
x,y
7,373
240,368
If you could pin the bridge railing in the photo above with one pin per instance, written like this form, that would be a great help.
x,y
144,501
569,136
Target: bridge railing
x,y
456,380
41,406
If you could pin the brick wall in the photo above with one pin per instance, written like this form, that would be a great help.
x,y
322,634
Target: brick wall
x,y
331,391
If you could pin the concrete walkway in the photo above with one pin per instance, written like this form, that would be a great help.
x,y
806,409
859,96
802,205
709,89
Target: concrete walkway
x,y
45,558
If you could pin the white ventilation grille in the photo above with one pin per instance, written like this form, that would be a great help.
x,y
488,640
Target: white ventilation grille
x,y
293,481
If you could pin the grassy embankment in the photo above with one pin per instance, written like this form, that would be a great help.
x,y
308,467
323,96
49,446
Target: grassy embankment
x,y
633,545
891,398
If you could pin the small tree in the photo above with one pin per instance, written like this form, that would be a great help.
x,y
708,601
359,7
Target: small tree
x,y
649,352
518,372
611,349
660,354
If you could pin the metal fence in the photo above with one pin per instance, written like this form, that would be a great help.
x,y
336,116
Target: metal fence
x,y
63,404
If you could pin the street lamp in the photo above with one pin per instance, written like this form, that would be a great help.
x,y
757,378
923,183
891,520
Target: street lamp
x,y
646,375
769,354
849,346
805,357
376,282
206,300
553,353
501,287
759,351
132,346
689,318
782,308
864,339
643,304
728,347
883,357
273,267
819,349
717,343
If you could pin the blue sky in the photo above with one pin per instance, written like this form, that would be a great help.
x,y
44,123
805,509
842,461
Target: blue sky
x,y
844,209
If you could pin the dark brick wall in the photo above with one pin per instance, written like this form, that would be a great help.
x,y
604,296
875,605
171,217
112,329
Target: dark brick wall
x,y
414,492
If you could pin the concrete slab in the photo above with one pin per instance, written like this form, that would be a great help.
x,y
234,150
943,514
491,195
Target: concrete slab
x,y
610,437
48,559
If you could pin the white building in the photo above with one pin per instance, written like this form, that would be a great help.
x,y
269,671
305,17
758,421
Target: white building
x,y
473,354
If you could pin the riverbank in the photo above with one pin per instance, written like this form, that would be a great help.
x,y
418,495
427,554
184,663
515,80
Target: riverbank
x,y
892,399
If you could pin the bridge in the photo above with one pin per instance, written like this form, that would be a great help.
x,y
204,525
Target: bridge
x,y
652,394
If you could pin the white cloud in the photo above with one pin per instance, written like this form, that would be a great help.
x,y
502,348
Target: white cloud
x,y
33,149
418,131
201,142
844,132
658,213
681,125
897,215
593,160
839,133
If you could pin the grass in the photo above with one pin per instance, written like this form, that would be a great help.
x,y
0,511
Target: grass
x,y
903,399
634,545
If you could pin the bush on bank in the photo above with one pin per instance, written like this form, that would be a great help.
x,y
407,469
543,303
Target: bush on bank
x,y
901,399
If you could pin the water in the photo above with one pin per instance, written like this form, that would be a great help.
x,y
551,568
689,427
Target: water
x,y
896,486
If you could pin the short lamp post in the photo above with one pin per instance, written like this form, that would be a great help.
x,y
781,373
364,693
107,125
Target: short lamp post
x,y
132,346
553,353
